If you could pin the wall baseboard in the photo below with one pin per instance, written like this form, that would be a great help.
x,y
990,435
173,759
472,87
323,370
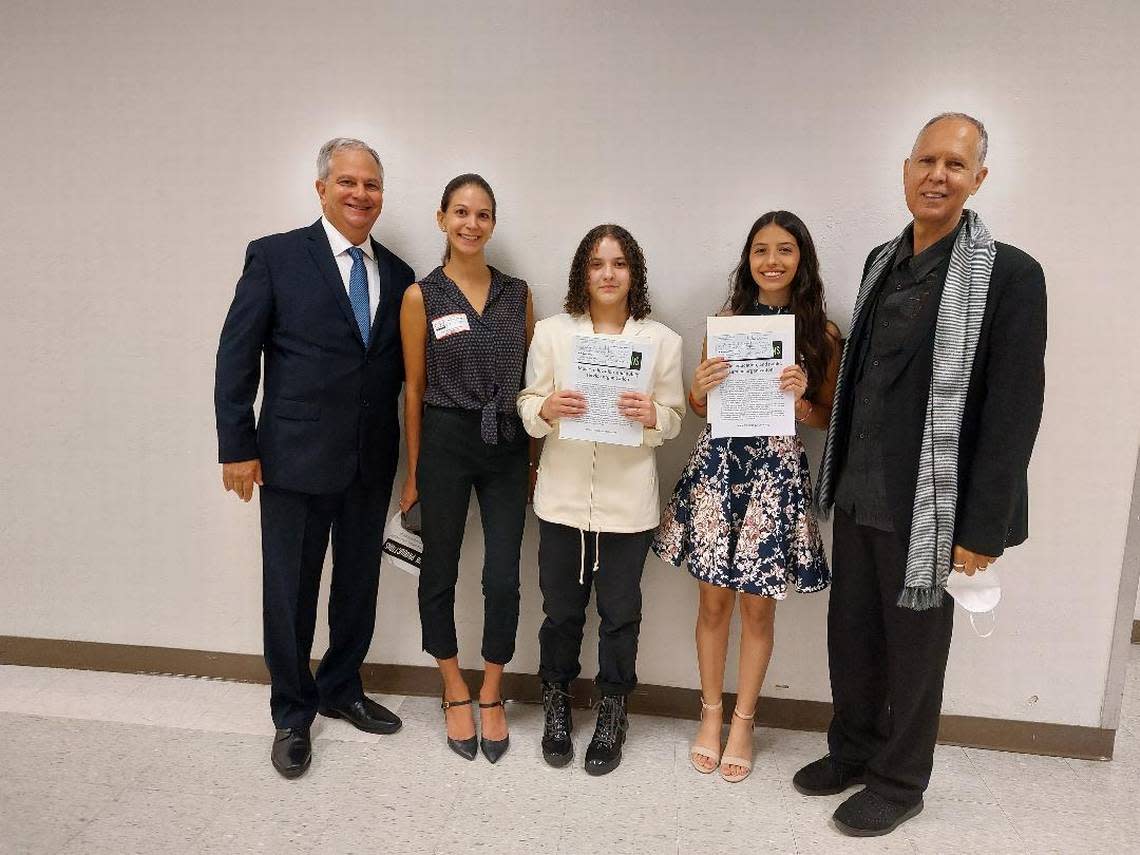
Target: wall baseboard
x,y
1026,737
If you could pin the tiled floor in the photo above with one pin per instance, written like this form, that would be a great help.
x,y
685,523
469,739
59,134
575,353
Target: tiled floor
x,y
112,763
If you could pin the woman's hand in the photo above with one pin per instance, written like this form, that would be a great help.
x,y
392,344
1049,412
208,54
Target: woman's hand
x,y
794,379
563,405
409,495
708,376
638,407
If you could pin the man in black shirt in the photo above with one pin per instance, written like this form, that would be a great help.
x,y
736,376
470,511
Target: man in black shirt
x,y
907,301
936,412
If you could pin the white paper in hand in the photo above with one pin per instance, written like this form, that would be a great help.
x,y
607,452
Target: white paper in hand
x,y
601,368
749,401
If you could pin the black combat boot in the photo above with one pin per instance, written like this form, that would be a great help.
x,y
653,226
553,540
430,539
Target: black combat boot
x,y
604,753
558,724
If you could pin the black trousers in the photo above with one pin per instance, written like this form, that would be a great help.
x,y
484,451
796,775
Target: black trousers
x,y
295,531
566,555
453,460
887,663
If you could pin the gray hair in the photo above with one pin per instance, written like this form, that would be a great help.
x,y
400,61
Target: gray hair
x,y
343,144
983,137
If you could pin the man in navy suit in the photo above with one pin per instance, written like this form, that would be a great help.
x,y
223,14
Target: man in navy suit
x,y
321,305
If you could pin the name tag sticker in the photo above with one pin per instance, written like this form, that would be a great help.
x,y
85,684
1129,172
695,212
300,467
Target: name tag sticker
x,y
446,325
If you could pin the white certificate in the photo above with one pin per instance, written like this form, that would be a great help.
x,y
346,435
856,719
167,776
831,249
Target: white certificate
x,y
749,401
601,367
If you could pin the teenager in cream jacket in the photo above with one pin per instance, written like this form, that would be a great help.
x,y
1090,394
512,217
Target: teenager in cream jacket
x,y
597,503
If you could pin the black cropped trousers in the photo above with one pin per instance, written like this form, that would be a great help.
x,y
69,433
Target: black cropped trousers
x,y
453,461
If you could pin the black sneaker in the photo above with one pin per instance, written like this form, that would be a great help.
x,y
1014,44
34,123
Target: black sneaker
x,y
604,753
868,814
826,777
558,724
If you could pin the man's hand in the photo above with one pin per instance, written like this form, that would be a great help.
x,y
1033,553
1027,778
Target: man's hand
x,y
241,476
963,560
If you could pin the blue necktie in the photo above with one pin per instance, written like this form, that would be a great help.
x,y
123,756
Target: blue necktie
x,y
358,292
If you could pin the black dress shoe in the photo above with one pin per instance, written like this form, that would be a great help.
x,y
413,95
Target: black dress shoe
x,y
292,751
465,748
493,749
868,814
558,724
826,777
604,753
365,714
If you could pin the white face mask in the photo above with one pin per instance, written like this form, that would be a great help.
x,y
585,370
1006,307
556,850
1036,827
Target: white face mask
x,y
978,594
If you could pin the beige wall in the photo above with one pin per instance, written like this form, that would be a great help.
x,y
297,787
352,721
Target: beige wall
x,y
143,147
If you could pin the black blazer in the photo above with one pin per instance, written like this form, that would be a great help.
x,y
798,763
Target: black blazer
x,y
329,406
1001,417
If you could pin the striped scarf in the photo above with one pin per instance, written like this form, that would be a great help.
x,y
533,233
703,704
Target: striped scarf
x,y
956,334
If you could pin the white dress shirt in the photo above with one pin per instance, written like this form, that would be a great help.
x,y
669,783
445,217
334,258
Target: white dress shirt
x,y
340,246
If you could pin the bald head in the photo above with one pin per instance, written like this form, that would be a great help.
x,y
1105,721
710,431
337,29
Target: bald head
x,y
964,121
943,171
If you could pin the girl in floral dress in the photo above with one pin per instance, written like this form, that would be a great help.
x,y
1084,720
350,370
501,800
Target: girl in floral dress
x,y
740,515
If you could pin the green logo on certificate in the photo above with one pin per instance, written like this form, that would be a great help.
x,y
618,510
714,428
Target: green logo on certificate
x,y
635,360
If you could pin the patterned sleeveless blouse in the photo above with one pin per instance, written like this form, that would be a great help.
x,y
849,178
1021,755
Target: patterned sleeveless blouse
x,y
476,362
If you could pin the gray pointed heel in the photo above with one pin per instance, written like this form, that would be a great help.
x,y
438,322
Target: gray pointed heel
x,y
494,749
465,748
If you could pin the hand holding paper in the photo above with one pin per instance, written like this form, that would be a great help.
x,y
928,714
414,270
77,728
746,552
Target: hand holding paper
x,y
639,407
708,376
564,404
794,379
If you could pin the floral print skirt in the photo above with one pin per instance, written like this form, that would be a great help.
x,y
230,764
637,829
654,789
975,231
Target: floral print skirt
x,y
741,517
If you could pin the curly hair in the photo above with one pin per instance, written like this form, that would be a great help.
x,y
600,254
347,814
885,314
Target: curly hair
x,y
578,295
815,346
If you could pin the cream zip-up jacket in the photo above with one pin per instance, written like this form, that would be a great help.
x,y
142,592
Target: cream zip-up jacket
x,y
597,486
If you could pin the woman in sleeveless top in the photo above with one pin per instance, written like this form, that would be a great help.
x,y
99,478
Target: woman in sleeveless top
x,y
465,329
741,514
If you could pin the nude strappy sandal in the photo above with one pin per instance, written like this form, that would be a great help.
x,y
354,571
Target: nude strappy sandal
x,y
729,760
699,750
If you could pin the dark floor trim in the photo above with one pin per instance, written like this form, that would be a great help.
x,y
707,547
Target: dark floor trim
x,y
1062,740
1136,632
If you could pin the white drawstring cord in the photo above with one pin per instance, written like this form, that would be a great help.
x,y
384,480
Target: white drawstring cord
x,y
581,557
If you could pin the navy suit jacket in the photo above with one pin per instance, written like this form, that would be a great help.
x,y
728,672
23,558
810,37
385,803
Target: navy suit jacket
x,y
1001,417
329,404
